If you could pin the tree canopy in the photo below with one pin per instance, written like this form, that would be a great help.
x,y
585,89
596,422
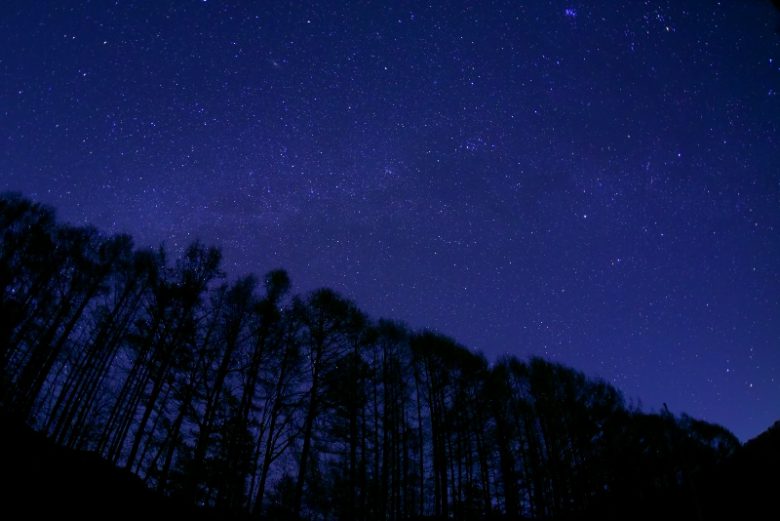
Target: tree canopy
x,y
241,396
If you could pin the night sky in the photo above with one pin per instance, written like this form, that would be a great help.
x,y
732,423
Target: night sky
x,y
595,182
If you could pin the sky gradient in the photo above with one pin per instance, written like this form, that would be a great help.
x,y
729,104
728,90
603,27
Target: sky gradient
x,y
595,182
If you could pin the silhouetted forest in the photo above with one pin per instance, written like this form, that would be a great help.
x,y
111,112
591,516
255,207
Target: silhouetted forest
x,y
237,396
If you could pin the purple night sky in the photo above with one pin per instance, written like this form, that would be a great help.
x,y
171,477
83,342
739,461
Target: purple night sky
x,y
595,182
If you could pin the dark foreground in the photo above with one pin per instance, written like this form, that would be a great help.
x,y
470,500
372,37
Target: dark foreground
x,y
42,480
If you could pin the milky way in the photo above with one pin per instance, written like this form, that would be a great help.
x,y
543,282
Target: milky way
x,y
597,183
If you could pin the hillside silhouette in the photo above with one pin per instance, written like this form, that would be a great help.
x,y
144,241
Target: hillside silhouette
x,y
133,384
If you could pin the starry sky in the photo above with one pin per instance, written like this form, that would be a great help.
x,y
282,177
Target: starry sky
x,y
595,182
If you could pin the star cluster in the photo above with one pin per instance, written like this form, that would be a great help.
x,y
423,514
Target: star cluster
x,y
595,182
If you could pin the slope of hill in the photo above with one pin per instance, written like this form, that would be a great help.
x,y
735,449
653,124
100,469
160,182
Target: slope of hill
x,y
42,480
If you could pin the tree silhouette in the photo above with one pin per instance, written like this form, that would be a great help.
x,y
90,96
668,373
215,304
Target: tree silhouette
x,y
243,398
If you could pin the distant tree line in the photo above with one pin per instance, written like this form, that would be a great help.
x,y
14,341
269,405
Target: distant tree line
x,y
243,397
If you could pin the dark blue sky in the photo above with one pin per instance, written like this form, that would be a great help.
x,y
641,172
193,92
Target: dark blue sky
x,y
596,182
